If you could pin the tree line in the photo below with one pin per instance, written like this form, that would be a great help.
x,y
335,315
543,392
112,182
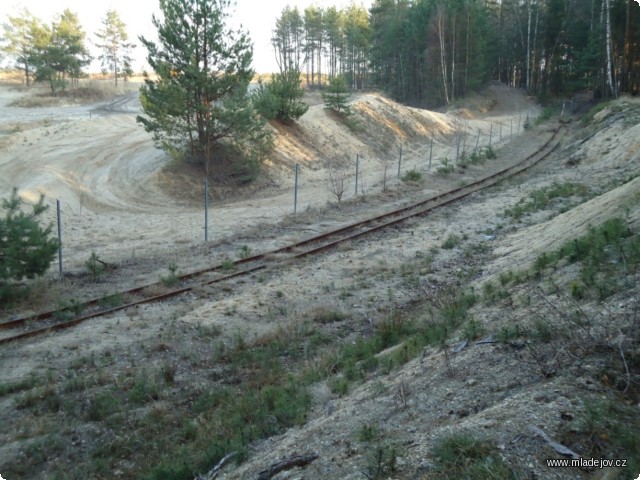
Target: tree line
x,y
197,104
430,52
324,41
57,52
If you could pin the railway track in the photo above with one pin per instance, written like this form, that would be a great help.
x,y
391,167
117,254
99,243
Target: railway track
x,y
53,320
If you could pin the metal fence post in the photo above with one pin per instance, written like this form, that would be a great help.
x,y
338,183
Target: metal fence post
x,y
295,192
400,161
490,135
59,239
430,154
357,170
206,210
477,140
511,131
500,133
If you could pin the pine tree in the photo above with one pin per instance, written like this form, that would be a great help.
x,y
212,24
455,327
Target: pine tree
x,y
19,40
114,45
336,96
60,53
198,104
26,248
281,99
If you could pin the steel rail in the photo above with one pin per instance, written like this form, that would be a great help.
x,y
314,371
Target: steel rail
x,y
330,239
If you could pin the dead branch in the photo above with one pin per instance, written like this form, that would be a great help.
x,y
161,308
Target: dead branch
x,y
561,449
337,182
213,473
624,362
295,461
563,315
106,265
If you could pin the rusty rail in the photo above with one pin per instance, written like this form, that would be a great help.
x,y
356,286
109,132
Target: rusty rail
x,y
313,245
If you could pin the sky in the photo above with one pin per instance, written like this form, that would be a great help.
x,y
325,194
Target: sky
x,y
256,16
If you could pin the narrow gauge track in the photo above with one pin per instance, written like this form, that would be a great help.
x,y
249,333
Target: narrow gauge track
x,y
49,321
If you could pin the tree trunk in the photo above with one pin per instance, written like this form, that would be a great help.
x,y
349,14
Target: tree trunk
x,y
528,69
628,51
453,58
610,82
536,71
466,62
443,57
320,58
26,72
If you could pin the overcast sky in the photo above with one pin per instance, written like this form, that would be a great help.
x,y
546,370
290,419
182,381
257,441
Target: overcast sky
x,y
256,16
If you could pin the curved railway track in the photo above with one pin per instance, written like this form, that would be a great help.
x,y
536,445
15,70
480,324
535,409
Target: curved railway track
x,y
50,321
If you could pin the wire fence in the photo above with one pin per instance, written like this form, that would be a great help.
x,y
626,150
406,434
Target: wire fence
x,y
308,187
363,176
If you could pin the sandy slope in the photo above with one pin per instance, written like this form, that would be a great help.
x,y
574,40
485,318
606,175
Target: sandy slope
x,y
106,172
109,176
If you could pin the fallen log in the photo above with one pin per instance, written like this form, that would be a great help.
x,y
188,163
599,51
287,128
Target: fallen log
x,y
296,461
558,447
213,473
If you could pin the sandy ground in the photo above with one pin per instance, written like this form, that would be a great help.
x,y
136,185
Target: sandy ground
x,y
106,172
108,176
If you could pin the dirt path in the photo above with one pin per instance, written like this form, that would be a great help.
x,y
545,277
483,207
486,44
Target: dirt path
x,y
106,172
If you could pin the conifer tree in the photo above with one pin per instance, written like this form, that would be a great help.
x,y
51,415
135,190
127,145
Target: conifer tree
x,y
198,103
26,248
18,40
113,41
336,96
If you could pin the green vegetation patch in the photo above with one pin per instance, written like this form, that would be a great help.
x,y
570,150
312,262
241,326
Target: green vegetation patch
x,y
609,428
542,198
607,255
412,176
462,455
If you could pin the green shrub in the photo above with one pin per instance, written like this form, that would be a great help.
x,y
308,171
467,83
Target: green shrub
x,y
381,461
611,428
337,95
455,309
101,406
412,176
368,432
542,198
112,301
227,265
489,153
172,277
281,99
446,167
473,329
588,118
95,267
26,248
460,455
452,241
245,252
547,113
68,309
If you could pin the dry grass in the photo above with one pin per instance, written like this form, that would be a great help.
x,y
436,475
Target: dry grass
x,y
87,91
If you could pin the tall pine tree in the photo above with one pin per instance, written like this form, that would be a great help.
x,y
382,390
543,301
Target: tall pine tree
x,y
113,41
198,104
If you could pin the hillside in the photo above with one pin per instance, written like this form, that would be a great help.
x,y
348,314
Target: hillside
x,y
423,351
